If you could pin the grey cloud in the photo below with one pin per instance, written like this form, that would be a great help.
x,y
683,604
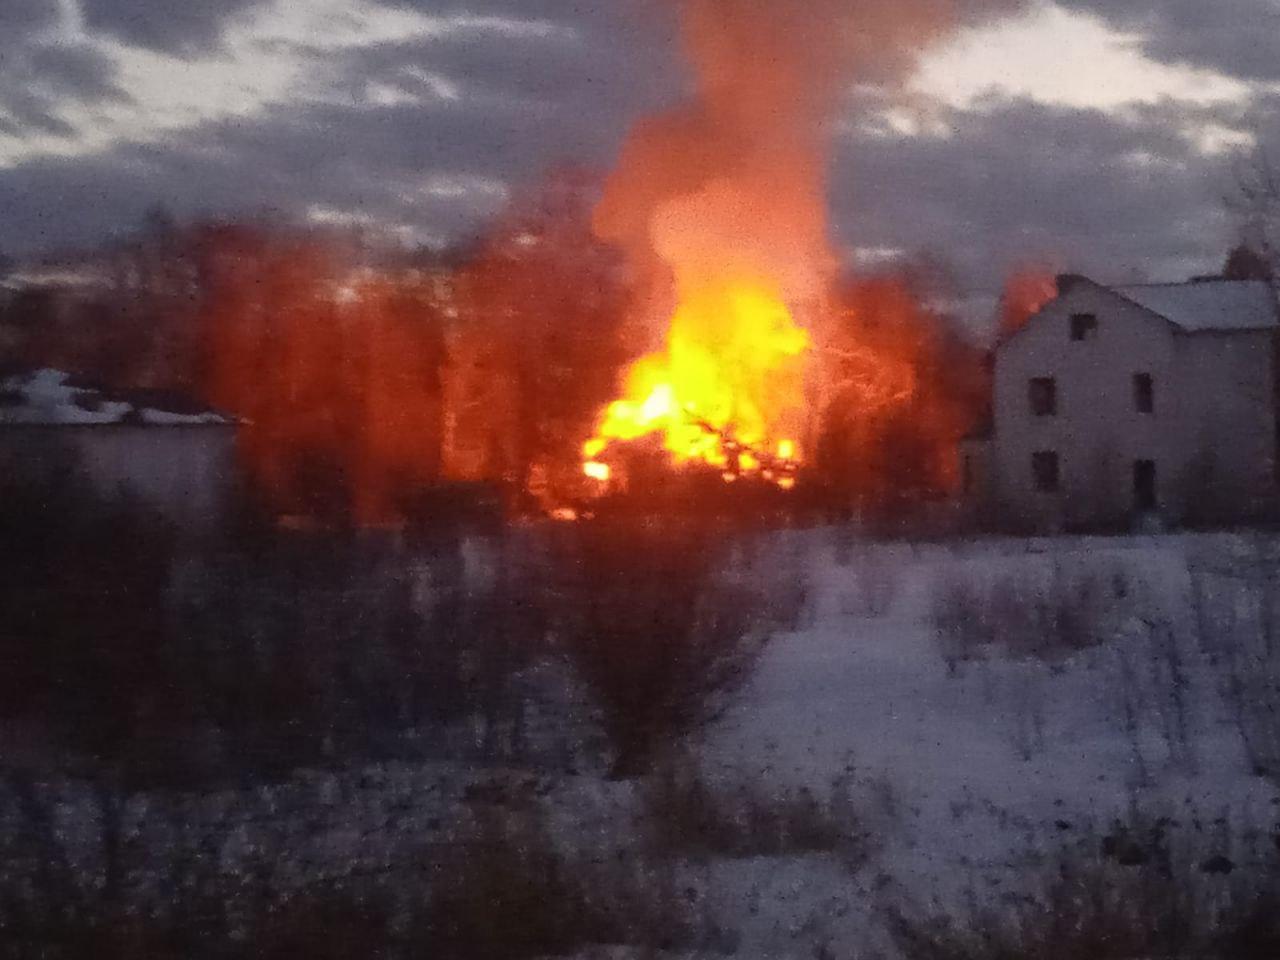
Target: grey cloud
x,y
366,159
607,76
1114,196
1237,37
1012,179
183,27
19,18
38,78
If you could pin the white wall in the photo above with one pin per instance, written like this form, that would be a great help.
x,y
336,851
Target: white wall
x,y
184,472
1213,396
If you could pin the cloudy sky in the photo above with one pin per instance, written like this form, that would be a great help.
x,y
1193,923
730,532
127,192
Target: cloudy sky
x,y
1100,134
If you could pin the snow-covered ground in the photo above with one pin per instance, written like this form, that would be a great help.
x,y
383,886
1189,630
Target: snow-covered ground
x,y
971,774
958,776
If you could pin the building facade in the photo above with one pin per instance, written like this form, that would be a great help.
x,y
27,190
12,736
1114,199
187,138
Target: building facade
x,y
175,458
1116,404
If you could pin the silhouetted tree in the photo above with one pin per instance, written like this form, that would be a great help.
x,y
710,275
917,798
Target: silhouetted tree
x,y
536,350
1255,203
1245,263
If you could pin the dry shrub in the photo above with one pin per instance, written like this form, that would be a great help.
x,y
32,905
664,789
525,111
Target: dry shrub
x,y
1136,900
508,893
655,632
962,622
326,926
875,587
694,817
1023,620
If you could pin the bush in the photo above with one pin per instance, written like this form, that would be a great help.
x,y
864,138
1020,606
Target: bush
x,y
1135,901
507,893
83,634
171,663
1024,620
655,633
747,819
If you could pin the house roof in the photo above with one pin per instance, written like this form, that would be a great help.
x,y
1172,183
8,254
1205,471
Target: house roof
x,y
49,397
1209,305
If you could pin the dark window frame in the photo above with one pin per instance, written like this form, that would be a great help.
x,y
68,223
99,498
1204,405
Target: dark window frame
x,y
1146,488
1144,393
1042,395
1046,471
1084,326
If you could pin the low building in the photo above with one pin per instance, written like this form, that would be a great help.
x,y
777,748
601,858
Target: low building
x,y
1112,405
162,450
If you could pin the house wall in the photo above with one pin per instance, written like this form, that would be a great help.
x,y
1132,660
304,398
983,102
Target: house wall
x,y
186,473
1097,431
1230,422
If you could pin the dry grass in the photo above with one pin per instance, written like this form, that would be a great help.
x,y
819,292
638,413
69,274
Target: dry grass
x,y
1126,897
1022,620
694,817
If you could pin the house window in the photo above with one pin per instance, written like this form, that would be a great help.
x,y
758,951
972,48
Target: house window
x,y
1144,484
1144,393
1084,326
1044,470
1043,392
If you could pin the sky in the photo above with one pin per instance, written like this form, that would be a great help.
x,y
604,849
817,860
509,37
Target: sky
x,y
1094,135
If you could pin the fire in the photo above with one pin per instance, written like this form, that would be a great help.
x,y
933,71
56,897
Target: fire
x,y
720,205
691,307
722,389
1026,291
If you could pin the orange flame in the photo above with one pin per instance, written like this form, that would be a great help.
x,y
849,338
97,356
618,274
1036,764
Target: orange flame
x,y
721,206
1026,291
731,376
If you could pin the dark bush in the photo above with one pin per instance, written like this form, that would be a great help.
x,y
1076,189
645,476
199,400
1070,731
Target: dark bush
x,y
742,818
654,631
1119,907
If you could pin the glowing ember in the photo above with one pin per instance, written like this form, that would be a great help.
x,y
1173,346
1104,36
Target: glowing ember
x,y
730,376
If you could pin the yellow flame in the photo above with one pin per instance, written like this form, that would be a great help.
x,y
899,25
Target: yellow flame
x,y
732,369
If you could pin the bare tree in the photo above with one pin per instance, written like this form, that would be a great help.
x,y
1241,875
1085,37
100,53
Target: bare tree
x,y
1255,203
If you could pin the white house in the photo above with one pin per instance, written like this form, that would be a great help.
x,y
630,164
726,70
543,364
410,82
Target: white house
x,y
1114,403
166,452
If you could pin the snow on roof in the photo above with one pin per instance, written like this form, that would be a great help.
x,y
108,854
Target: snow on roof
x,y
1208,305
51,397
